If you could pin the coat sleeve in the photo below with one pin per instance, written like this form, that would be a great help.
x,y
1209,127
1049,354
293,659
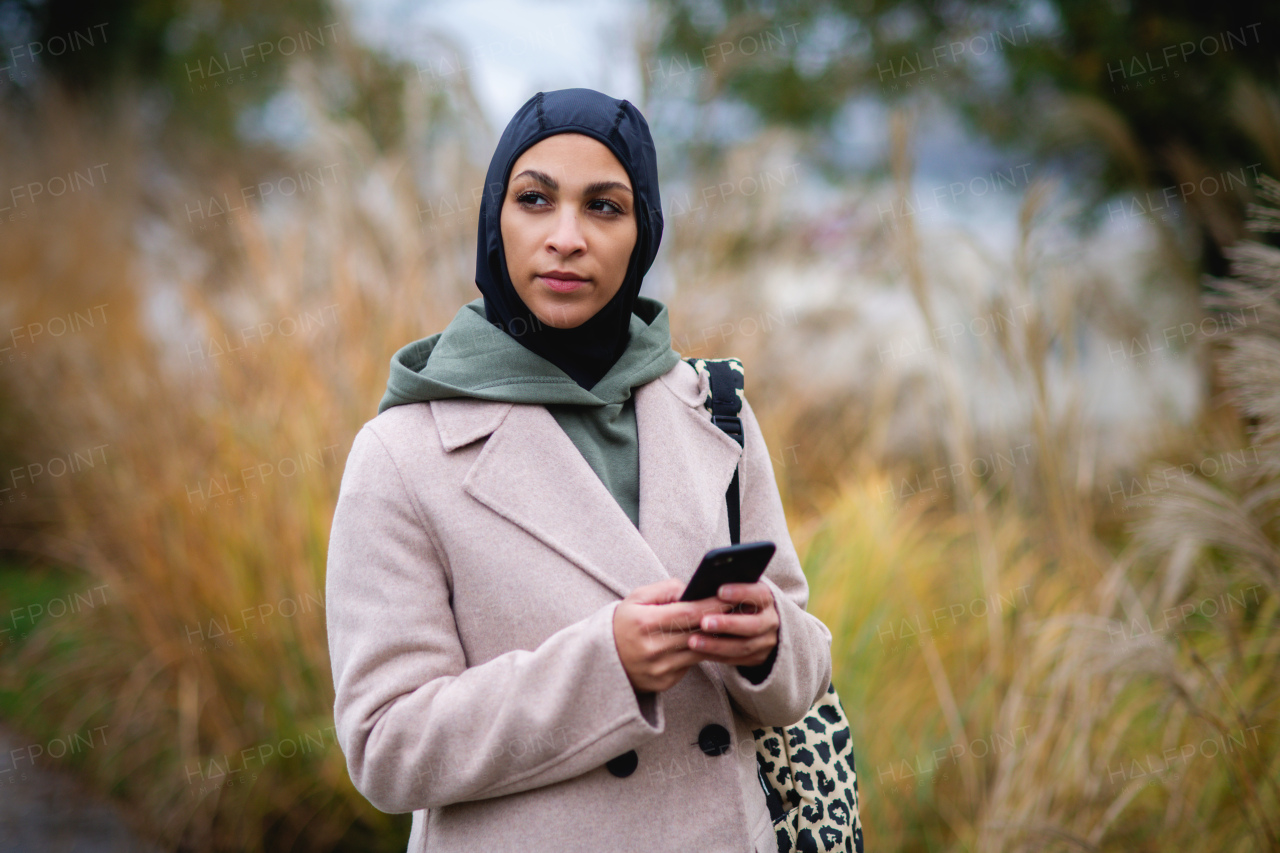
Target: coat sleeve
x,y
780,691
419,728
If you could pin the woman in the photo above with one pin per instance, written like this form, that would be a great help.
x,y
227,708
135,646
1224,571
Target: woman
x,y
515,528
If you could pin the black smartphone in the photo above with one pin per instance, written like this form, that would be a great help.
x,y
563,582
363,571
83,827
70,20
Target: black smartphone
x,y
741,563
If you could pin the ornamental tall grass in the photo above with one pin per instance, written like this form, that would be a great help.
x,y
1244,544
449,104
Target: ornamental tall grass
x,y
222,391
1000,642
1030,665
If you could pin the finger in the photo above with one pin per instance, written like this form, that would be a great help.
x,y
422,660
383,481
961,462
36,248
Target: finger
x,y
749,660
682,659
661,592
669,626
749,596
757,592
724,648
674,635
699,609
741,625
665,642
687,615
730,649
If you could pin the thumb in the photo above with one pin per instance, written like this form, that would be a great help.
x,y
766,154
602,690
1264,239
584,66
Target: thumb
x,y
661,592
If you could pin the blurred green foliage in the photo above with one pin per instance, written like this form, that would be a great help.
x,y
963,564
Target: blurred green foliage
x,y
1171,88
181,51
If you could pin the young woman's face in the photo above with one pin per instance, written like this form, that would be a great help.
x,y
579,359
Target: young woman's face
x,y
568,227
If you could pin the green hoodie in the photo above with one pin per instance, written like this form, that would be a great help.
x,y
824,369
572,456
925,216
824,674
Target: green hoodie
x,y
473,358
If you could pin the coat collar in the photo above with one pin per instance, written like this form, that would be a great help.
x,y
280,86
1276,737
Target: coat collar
x,y
530,473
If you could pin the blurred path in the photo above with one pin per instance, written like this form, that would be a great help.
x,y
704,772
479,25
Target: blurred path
x,y
46,810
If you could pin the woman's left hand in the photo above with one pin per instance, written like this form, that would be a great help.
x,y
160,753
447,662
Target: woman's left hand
x,y
752,626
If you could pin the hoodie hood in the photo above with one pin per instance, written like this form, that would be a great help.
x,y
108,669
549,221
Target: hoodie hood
x,y
474,358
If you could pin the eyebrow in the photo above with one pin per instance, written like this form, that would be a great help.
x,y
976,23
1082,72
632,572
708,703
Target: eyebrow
x,y
540,177
590,189
602,186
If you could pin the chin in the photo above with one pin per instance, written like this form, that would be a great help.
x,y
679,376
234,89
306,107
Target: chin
x,y
564,313
561,317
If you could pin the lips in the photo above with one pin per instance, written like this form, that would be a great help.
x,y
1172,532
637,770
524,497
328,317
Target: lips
x,y
563,281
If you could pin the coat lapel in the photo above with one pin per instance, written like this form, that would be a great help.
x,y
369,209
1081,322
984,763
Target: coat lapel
x,y
686,464
530,473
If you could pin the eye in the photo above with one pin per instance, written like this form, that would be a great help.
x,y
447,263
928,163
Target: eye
x,y
529,198
609,207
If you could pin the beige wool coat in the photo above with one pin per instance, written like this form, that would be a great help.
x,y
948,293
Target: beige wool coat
x,y
474,567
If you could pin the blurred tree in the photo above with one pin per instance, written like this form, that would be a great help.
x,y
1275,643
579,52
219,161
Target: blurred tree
x,y
1133,96
181,51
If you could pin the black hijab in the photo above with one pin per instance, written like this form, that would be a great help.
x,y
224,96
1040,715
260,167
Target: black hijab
x,y
585,352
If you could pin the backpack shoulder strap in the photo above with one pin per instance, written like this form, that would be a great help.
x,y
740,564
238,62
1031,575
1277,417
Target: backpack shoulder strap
x,y
726,380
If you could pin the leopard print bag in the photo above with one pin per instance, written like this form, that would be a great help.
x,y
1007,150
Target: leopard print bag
x,y
806,770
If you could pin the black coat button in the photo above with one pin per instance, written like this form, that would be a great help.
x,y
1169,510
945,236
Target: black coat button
x,y
624,765
713,739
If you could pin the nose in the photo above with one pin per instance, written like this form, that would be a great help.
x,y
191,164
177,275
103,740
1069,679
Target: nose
x,y
566,237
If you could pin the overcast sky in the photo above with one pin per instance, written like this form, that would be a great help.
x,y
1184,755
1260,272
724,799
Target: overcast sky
x,y
514,49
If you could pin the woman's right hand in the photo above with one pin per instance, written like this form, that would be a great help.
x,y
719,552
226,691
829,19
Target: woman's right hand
x,y
651,629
